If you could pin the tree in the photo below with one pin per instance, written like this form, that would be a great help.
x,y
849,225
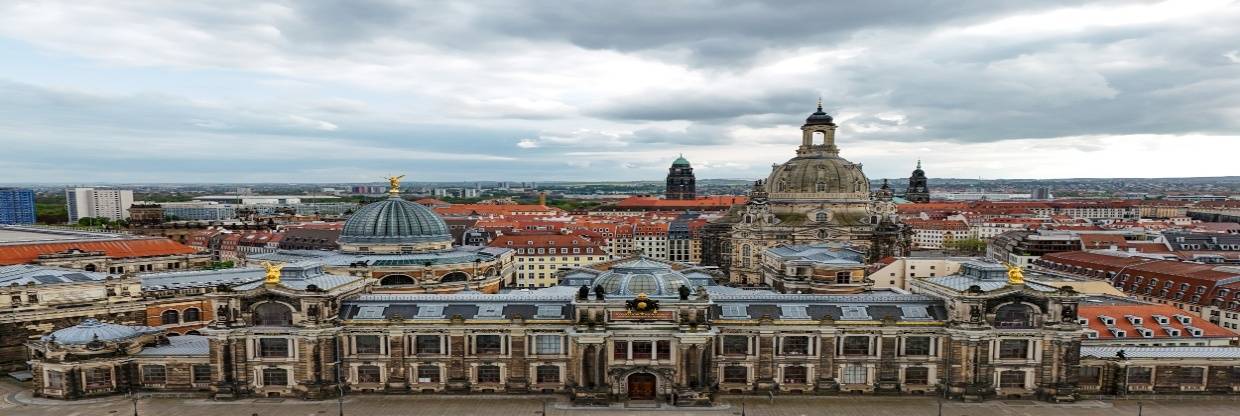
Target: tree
x,y
966,245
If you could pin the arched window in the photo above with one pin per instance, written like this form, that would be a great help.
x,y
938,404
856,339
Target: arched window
x,y
170,317
1014,315
273,314
192,315
820,217
745,251
454,277
90,268
396,279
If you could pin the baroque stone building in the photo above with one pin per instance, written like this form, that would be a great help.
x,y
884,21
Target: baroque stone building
x,y
816,196
681,184
627,330
918,189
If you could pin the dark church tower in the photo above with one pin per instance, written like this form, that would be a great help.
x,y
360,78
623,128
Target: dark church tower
x,y
680,182
917,191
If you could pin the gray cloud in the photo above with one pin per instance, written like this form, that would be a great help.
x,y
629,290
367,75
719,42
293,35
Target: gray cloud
x,y
626,80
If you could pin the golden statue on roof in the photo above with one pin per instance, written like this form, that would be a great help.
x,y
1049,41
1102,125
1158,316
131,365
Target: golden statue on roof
x,y
394,184
273,273
1015,275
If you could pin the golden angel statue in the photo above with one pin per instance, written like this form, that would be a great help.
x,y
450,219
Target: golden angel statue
x,y
273,272
394,184
1015,275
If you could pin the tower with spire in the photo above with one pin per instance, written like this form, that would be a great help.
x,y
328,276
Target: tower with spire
x,y
918,191
681,184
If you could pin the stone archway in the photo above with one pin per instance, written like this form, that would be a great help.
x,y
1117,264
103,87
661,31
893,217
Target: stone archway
x,y
642,386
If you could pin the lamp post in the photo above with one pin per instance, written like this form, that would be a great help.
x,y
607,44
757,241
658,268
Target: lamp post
x,y
1140,408
940,407
134,398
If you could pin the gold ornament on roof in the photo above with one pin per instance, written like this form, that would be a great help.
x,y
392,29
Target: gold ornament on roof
x,y
1015,275
273,273
394,185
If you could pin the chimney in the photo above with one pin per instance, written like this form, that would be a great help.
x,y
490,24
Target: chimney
x,y
542,198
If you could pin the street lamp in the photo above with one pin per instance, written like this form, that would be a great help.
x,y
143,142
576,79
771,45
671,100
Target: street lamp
x,y
940,407
1140,408
134,398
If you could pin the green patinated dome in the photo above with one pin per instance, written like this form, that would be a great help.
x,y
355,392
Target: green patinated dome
x,y
680,161
394,221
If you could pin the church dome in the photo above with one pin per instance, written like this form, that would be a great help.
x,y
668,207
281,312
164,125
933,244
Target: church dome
x,y
642,276
680,161
819,117
91,330
394,221
818,174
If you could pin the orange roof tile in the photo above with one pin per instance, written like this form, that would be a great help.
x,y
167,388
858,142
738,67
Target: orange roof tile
x,y
1146,313
139,247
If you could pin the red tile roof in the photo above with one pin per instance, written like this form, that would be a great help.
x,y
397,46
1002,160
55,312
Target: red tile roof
x,y
139,247
1146,312
716,201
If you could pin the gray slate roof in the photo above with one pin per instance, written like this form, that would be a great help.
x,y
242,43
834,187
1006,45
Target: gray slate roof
x,y
201,278
549,303
734,303
91,329
22,274
822,253
458,255
185,345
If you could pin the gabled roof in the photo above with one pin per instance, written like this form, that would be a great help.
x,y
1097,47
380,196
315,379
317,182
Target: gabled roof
x,y
123,248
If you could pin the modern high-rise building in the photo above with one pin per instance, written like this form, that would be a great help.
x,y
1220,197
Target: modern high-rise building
x,y
16,206
95,203
681,184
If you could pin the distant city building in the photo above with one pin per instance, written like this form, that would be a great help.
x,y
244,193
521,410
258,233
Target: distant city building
x,y
1042,193
918,188
146,214
16,206
977,196
112,204
540,256
681,184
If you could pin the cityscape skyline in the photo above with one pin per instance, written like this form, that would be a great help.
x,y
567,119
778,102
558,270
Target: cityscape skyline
x,y
316,92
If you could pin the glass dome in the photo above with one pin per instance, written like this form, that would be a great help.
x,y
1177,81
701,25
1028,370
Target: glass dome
x,y
642,276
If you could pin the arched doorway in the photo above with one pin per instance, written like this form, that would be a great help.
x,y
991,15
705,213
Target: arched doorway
x,y
454,277
642,386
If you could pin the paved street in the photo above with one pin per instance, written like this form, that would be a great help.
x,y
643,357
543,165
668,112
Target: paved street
x,y
14,405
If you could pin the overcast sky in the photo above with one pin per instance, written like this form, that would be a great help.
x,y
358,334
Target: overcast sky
x,y
341,91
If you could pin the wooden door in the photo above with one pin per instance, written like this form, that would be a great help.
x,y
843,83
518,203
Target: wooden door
x,y
641,386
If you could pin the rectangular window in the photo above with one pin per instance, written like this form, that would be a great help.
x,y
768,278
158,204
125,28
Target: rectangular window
x,y
620,350
426,344
275,377
1090,375
547,374
273,347
663,349
489,344
98,378
488,374
368,374
202,373
917,375
735,345
1013,349
642,350
796,345
154,374
367,344
856,346
795,375
735,374
547,344
55,380
428,374
917,346
1190,375
855,374
1012,380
